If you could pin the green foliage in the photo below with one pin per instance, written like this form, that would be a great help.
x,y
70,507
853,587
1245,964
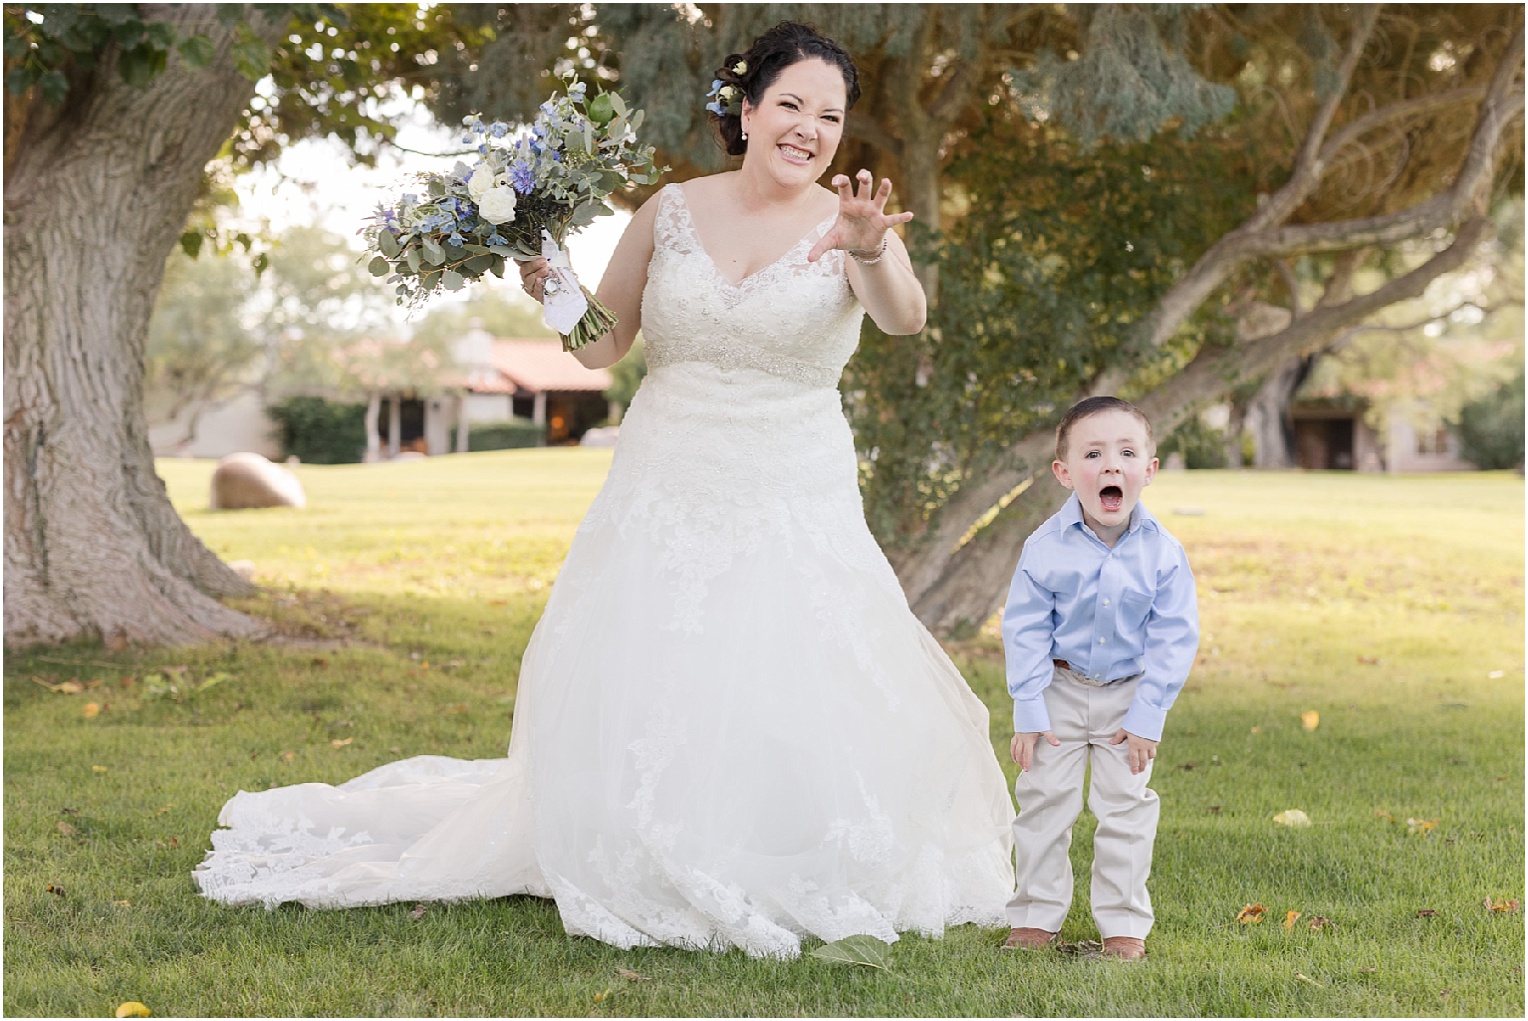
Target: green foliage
x,y
1491,427
1128,80
200,348
1202,446
513,434
627,374
1043,284
320,431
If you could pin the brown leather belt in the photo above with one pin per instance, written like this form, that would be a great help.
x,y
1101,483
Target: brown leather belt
x,y
1063,664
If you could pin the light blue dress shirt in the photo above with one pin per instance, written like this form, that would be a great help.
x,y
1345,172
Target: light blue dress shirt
x,y
1110,613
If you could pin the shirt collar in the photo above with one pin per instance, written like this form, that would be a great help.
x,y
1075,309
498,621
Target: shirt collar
x,y
1071,514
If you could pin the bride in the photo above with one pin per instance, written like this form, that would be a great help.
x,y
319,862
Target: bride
x,y
730,730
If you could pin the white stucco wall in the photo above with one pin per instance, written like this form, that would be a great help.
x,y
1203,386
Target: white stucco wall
x,y
238,424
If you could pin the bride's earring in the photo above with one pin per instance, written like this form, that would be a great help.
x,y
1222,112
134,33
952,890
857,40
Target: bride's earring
x,y
745,136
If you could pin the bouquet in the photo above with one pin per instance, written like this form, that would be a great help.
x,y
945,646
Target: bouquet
x,y
521,198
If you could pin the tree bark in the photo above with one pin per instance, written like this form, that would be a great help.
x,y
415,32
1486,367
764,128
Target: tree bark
x,y
96,194
1273,435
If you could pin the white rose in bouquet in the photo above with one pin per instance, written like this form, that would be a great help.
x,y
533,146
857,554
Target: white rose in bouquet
x,y
480,182
497,204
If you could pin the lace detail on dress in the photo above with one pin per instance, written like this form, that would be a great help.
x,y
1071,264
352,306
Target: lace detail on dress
x,y
690,312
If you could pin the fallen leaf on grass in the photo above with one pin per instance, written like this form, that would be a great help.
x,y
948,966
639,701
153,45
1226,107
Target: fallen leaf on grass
x,y
1380,813
69,687
132,1008
1369,660
98,769
418,912
1290,917
602,997
1502,906
1257,730
121,903
92,709
1367,967
1213,809
631,976
1426,913
1252,914
1497,675
859,950
1317,923
65,828
341,742
288,755
1307,978
1292,817
1421,827
1082,948
1310,719
57,891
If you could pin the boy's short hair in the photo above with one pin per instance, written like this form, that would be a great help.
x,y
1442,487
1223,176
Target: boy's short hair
x,y
1093,406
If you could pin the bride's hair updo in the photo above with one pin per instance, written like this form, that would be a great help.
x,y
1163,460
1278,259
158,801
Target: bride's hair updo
x,y
771,53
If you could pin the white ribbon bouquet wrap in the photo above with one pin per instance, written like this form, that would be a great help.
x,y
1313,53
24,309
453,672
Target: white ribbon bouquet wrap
x,y
565,303
529,189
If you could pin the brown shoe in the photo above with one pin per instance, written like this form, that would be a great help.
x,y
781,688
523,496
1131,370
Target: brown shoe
x,y
1029,939
1124,948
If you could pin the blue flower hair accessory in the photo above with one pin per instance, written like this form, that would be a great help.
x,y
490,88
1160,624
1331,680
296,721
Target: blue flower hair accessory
x,y
727,97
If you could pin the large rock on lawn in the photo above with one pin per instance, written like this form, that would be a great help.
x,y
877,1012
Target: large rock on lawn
x,y
244,480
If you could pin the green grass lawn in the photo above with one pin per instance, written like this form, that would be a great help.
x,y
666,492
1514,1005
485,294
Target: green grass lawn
x,y
405,593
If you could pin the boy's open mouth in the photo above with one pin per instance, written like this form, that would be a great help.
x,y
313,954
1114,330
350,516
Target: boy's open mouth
x,y
1111,498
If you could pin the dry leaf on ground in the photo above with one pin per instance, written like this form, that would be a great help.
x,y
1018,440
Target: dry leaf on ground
x,y
418,912
1426,913
132,1008
1252,914
631,976
1290,917
1421,827
1292,817
341,742
1310,719
1502,906
92,709
1317,923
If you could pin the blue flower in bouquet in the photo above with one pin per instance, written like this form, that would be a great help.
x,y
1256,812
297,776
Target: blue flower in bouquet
x,y
522,177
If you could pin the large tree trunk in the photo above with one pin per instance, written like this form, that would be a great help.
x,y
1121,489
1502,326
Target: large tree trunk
x,y
96,194
1268,415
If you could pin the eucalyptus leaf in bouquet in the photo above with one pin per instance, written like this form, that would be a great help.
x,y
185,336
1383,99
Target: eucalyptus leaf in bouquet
x,y
527,188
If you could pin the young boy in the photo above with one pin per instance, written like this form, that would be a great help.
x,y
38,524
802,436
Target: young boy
x,y
1099,632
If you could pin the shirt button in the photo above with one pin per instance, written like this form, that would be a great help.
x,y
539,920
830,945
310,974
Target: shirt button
x,y
1106,602
1101,639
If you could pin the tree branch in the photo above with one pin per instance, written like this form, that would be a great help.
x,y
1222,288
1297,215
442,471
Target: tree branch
x,y
1309,164
1208,375
1386,115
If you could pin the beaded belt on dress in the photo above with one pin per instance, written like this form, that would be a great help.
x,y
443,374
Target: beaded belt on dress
x,y
794,369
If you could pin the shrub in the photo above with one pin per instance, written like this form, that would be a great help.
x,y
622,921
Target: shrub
x,y
514,433
1202,446
1491,427
320,431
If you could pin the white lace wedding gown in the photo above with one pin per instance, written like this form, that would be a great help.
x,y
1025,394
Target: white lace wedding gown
x,y
730,730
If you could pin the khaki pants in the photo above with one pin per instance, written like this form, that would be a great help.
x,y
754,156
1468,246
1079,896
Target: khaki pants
x,y
1084,718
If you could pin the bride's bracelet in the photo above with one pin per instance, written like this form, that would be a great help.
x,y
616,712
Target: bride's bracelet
x,y
867,260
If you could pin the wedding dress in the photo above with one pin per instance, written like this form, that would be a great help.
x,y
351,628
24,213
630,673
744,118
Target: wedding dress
x,y
730,730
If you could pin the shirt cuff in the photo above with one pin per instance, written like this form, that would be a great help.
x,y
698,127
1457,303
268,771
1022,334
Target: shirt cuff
x,y
1145,721
1029,716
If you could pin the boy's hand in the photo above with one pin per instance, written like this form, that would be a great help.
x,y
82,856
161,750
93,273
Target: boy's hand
x,y
1022,747
1142,750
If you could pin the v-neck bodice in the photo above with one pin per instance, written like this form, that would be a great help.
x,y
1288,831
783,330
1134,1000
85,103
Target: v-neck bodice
x,y
793,319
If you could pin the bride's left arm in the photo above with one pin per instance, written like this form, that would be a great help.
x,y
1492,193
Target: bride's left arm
x,y
880,272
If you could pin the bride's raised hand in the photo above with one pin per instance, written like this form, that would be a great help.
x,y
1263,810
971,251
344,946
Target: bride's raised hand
x,y
862,221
